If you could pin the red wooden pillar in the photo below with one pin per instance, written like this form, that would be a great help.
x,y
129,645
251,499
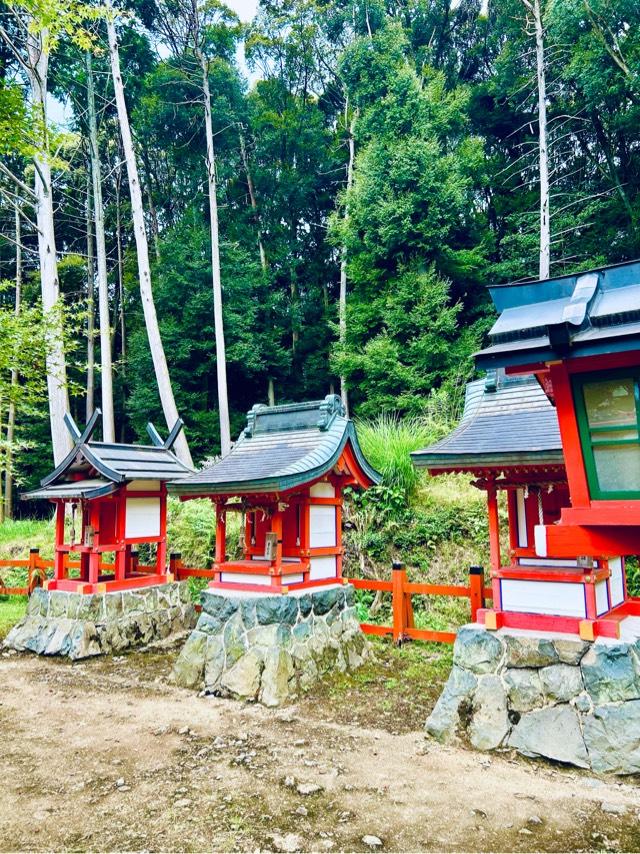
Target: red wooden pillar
x,y
59,562
161,557
339,531
276,528
122,558
476,588
494,526
94,556
221,534
570,435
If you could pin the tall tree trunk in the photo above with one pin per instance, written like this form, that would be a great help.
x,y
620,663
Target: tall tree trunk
x,y
50,287
91,359
142,249
543,153
11,419
254,202
271,392
155,230
342,299
221,359
106,368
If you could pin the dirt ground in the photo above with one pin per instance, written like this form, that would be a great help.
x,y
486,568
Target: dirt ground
x,y
107,755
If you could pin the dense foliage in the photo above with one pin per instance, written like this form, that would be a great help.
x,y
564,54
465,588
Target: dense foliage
x,y
441,105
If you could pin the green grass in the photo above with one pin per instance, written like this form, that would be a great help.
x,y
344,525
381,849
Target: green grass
x,y
12,608
19,535
387,442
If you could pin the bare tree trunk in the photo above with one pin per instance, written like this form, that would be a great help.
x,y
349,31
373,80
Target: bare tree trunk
x,y
56,363
142,248
342,299
89,399
254,202
106,368
11,420
271,392
545,229
155,230
123,340
221,359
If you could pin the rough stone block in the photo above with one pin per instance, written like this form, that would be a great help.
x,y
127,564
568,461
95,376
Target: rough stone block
x,y
58,604
477,650
218,608
443,722
610,673
188,670
213,663
524,688
278,671
324,599
277,609
612,736
490,722
570,650
529,651
553,732
561,682
243,679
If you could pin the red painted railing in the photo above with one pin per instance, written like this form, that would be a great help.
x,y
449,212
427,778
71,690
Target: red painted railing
x,y
402,590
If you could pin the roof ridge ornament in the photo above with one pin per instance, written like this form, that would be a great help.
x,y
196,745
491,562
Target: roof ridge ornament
x,y
78,437
330,408
168,443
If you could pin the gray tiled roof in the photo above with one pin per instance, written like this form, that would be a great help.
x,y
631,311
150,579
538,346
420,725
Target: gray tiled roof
x,y
281,447
105,464
515,424
582,314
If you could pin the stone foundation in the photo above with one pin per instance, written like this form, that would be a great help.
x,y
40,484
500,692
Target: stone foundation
x,y
253,646
78,626
546,695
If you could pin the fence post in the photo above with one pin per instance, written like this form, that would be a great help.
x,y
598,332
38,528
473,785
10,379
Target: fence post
x,y
398,579
175,561
31,571
476,590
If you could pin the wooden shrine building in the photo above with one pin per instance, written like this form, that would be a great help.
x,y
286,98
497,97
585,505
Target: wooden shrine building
x,y
285,475
578,338
110,498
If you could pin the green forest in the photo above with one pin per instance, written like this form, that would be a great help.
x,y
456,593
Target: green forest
x,y
322,194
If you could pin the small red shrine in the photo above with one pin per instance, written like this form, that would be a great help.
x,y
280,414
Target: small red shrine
x,y
578,339
285,475
110,498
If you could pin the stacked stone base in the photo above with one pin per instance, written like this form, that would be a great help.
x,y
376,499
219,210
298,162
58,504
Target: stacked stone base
x,y
545,696
269,647
80,626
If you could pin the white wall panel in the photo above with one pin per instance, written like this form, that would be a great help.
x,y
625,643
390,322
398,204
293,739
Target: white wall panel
x,y
323,567
143,517
322,490
602,598
245,578
322,523
543,597
616,581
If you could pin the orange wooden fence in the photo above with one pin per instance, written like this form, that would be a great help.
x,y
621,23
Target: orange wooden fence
x,y
36,573
402,590
400,587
